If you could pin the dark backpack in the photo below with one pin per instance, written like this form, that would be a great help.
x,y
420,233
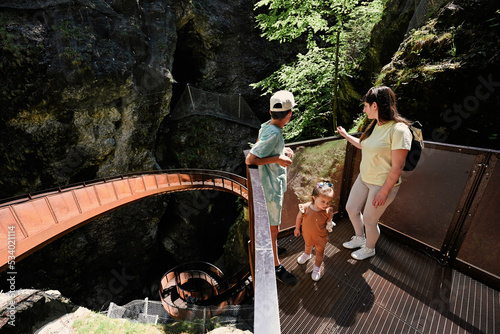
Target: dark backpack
x,y
417,144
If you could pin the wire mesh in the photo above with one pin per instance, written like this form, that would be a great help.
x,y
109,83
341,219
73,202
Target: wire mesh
x,y
152,312
424,8
232,107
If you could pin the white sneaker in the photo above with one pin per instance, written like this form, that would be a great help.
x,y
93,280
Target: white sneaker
x,y
363,253
355,242
316,273
304,258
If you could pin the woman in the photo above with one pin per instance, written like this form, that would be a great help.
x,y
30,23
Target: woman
x,y
384,146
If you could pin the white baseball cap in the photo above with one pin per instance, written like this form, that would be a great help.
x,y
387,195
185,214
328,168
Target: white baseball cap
x,y
284,99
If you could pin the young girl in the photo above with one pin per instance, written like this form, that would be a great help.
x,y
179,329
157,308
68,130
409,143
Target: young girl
x,y
316,219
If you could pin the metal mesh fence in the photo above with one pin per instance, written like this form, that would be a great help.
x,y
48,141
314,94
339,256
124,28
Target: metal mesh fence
x,y
424,8
194,101
153,312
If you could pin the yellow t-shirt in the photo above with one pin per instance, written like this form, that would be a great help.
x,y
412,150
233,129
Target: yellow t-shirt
x,y
376,151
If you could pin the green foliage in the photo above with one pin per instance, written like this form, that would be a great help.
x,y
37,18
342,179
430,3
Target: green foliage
x,y
99,323
337,31
288,20
314,163
310,78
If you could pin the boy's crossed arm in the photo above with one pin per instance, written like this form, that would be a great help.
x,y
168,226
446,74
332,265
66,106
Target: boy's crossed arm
x,y
282,160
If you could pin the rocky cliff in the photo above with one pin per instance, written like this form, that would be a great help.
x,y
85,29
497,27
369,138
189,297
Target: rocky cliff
x,y
447,74
88,86
442,60
87,89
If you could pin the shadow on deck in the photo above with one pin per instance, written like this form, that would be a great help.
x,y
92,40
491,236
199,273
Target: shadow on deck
x,y
400,290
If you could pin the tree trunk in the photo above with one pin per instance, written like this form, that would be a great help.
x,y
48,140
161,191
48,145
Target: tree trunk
x,y
336,84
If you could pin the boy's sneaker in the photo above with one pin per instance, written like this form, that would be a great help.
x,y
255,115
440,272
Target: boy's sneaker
x,y
284,276
316,273
363,253
355,242
282,250
304,258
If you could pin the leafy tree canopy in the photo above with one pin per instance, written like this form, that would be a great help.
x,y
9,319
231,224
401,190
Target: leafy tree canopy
x,y
336,32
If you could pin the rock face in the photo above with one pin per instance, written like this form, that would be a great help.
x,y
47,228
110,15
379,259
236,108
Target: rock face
x,y
33,309
441,59
87,87
88,83
90,86
447,74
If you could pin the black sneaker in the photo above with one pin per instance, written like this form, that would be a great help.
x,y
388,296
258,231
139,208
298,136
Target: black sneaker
x,y
281,250
284,276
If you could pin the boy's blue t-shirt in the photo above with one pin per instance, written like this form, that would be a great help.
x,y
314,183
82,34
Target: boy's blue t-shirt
x,y
273,176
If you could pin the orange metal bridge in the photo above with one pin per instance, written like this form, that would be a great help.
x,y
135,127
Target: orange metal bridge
x,y
32,221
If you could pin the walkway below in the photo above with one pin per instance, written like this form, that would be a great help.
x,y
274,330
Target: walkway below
x,y
397,291
30,222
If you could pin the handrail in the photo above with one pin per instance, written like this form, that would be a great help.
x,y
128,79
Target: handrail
x,y
481,167
29,196
266,309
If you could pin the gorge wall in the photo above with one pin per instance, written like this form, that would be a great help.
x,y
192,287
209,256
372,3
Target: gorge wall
x,y
446,69
87,88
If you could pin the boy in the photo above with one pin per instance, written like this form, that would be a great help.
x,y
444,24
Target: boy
x,y
272,157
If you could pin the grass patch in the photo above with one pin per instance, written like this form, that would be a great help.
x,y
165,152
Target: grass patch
x,y
93,323
312,164
98,323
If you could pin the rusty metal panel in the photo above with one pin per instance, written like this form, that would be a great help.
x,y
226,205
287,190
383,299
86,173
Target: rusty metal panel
x,y
429,196
162,180
184,178
122,188
150,182
106,193
174,179
8,220
86,198
35,215
137,185
481,247
64,206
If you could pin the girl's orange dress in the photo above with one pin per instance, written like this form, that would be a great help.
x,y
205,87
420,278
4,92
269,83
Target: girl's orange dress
x,y
314,226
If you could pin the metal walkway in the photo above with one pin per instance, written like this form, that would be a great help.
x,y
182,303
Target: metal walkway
x,y
398,291
30,222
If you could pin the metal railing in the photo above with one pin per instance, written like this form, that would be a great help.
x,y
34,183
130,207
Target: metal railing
x,y
39,218
266,310
448,207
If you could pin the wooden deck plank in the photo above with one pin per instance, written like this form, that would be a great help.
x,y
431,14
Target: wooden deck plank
x,y
398,291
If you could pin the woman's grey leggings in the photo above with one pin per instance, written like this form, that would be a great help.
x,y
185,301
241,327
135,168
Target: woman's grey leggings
x,y
362,212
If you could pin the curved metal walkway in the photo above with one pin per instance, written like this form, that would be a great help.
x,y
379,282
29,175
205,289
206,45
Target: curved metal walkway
x,y
28,223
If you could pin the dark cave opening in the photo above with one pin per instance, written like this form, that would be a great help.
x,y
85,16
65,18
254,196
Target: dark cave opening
x,y
187,68
189,60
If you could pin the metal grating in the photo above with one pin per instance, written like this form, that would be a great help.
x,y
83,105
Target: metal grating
x,y
400,290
